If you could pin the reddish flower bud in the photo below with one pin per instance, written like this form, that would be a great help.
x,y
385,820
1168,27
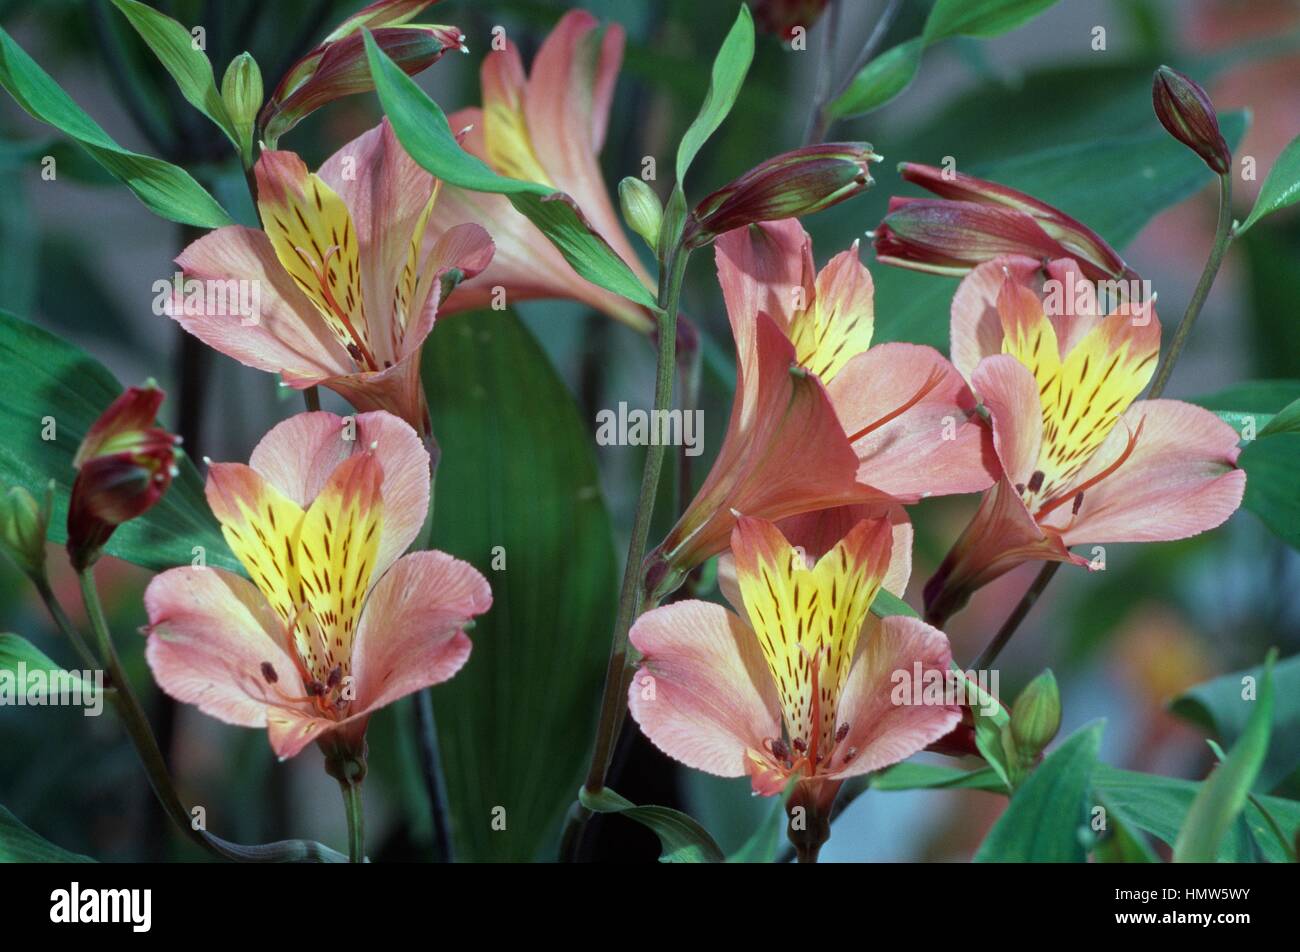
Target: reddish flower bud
x,y
338,67
1184,109
976,220
789,185
782,16
124,465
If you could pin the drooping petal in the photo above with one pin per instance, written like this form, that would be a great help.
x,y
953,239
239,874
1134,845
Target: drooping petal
x,y
411,632
1009,391
910,417
1180,479
703,694
466,249
211,637
286,334
881,732
298,456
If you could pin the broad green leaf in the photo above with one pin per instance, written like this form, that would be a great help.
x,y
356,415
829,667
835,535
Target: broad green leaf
x,y
422,128
683,840
1122,842
1081,179
165,189
765,844
1157,805
881,80
518,496
1219,708
16,650
20,844
1280,189
1223,795
1043,821
980,17
189,66
912,776
729,69
62,392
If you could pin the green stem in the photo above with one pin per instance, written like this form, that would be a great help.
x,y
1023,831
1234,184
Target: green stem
x,y
356,821
613,703
65,624
137,725
1222,238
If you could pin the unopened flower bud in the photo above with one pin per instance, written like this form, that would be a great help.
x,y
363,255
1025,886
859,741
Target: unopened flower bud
x,y
781,17
1036,715
124,465
641,209
338,67
23,522
789,185
1184,108
241,92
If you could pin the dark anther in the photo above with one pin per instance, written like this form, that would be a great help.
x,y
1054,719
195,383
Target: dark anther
x,y
800,745
1078,504
842,733
335,677
779,750
268,672
1036,481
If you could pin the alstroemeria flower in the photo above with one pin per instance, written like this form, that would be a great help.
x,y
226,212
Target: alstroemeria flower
x,y
335,622
1081,461
346,292
800,680
546,127
820,418
124,465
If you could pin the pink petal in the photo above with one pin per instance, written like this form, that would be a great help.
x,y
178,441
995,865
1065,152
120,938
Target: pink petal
x,y
1180,480
907,454
1006,387
398,390
761,267
287,334
299,455
882,732
703,694
411,628
210,632
976,327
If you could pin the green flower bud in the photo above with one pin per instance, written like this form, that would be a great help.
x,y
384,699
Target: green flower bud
x,y
22,528
641,209
1036,715
241,91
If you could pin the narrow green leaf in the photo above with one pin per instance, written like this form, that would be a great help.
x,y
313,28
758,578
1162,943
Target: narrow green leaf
x,y
19,844
765,844
729,69
64,391
511,436
165,189
16,650
1223,795
1286,420
913,776
980,17
1042,823
683,839
1280,189
881,80
1122,842
887,603
190,67
422,128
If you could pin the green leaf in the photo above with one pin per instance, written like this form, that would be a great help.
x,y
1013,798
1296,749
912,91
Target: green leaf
x,y
912,776
765,844
980,17
1122,842
19,844
511,436
881,80
683,840
190,67
1218,707
1280,189
1223,795
165,189
729,69
422,128
1286,420
887,604
1157,805
1042,823
16,650
67,390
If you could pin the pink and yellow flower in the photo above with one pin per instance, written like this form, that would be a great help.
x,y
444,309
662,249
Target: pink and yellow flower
x,y
799,681
820,417
548,127
335,622
1082,461
347,287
